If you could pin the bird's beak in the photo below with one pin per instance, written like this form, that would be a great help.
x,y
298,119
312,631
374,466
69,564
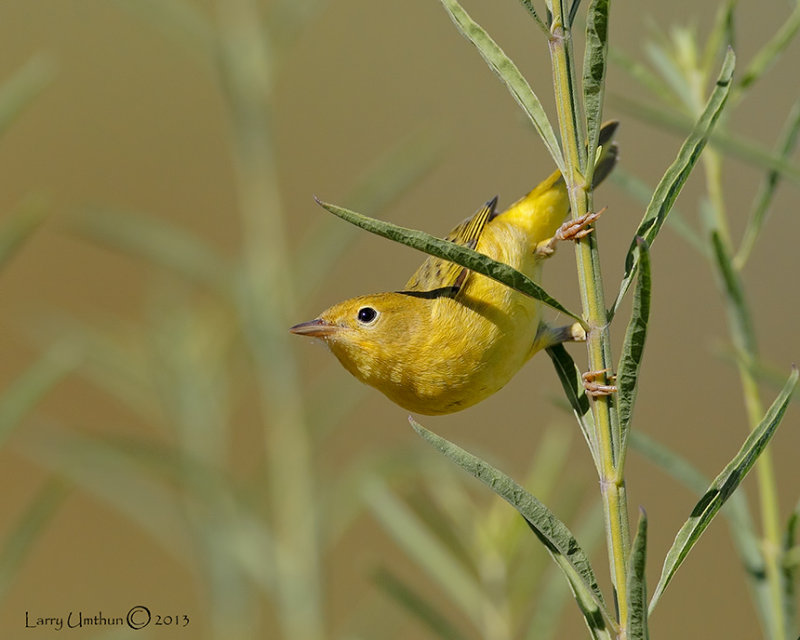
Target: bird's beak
x,y
318,328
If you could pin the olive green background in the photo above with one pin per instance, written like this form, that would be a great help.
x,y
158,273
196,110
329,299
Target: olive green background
x,y
134,119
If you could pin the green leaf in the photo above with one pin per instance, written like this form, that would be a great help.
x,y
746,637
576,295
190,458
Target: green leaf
x,y
19,226
633,346
23,87
673,180
786,144
723,487
447,250
422,546
416,604
735,304
594,75
382,184
642,192
552,533
735,511
157,242
553,593
508,72
772,50
29,527
637,584
572,383
528,4
27,390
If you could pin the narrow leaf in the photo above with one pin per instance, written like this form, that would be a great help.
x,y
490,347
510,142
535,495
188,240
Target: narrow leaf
x,y
637,584
786,145
770,52
18,91
19,226
594,75
554,534
735,304
508,72
642,192
528,4
633,346
735,511
723,487
417,605
572,383
27,530
447,250
673,180
28,389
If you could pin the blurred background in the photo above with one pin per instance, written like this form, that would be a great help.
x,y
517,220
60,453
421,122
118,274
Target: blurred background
x,y
166,443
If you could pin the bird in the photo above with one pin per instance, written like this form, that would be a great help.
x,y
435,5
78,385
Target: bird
x,y
450,337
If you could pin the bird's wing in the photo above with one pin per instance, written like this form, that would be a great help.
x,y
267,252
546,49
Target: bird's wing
x,y
436,274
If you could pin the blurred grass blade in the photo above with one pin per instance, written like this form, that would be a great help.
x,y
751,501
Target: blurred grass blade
x,y
508,72
18,91
770,52
29,527
642,192
594,75
735,305
447,250
786,146
637,584
157,242
633,346
380,186
572,383
421,545
736,146
28,389
18,227
723,487
553,533
670,185
416,604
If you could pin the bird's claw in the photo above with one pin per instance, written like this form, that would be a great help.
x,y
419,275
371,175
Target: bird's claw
x,y
578,228
570,230
594,388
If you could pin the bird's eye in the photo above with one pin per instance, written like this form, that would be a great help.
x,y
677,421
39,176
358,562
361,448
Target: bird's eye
x,y
367,315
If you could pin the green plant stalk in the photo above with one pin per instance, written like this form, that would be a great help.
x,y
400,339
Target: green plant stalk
x,y
744,340
266,299
592,297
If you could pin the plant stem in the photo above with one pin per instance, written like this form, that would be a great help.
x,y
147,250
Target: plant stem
x,y
592,297
266,300
744,340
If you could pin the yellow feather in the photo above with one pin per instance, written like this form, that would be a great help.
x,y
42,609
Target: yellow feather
x,y
453,338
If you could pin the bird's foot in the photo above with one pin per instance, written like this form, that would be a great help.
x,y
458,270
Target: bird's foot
x,y
570,230
595,388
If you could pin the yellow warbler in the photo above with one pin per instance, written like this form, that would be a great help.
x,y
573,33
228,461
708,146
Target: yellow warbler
x,y
452,337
